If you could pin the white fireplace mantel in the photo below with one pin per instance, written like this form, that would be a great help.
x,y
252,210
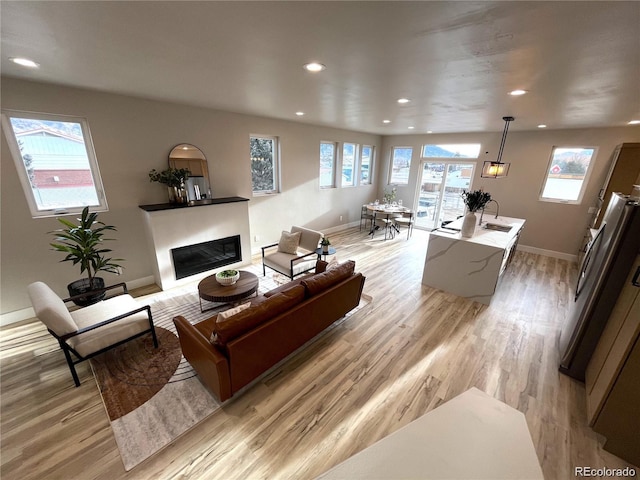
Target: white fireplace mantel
x,y
168,227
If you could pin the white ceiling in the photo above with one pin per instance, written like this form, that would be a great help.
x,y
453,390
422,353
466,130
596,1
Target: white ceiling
x,y
456,61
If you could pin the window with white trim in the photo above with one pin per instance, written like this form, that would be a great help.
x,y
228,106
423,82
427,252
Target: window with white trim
x,y
400,165
327,164
451,150
567,172
56,162
264,164
349,161
366,164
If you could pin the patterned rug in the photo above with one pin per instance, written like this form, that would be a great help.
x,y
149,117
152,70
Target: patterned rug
x,y
152,396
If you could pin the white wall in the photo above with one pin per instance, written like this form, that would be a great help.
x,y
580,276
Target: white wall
x,y
554,227
132,136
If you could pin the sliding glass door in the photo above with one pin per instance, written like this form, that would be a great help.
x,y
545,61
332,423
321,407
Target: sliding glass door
x,y
438,197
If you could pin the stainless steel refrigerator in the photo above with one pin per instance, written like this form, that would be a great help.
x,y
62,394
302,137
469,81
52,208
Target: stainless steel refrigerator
x,y
603,271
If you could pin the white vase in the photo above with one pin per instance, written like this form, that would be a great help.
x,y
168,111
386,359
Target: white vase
x,y
468,225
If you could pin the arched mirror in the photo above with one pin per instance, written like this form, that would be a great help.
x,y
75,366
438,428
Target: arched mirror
x,y
191,157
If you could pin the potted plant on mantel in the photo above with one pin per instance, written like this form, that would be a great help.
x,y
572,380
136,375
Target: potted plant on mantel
x,y
475,200
174,179
82,244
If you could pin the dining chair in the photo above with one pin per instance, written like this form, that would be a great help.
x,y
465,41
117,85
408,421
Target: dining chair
x,y
407,219
366,215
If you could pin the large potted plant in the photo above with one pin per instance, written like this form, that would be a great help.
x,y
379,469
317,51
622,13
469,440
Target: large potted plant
x,y
475,200
83,245
174,179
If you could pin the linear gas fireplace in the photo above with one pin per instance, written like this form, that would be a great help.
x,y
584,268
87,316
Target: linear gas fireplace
x,y
201,257
172,228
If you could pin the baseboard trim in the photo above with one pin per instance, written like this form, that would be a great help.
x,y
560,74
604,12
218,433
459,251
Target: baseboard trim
x,y
340,228
548,253
25,313
16,316
141,282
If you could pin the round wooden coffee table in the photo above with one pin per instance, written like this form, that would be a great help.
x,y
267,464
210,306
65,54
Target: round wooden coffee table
x,y
210,290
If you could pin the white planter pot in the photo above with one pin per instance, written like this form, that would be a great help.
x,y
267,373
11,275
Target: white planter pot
x,y
468,225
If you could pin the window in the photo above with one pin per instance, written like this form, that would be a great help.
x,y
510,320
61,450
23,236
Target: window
x,y
349,152
56,162
366,160
455,150
400,165
327,164
566,174
264,164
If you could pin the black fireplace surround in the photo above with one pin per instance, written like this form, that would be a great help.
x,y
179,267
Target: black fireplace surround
x,y
201,257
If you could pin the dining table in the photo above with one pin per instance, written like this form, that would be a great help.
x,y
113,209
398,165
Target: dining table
x,y
385,212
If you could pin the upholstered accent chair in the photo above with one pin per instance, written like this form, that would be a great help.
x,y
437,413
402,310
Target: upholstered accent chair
x,y
89,331
294,254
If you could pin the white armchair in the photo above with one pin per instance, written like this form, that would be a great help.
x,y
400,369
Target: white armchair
x,y
91,330
294,254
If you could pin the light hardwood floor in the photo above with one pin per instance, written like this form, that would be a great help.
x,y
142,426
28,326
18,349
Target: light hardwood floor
x,y
410,350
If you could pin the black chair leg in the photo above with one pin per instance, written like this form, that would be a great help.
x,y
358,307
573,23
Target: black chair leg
x,y
152,328
72,367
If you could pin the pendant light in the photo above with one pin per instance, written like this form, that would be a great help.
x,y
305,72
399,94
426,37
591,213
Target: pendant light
x,y
498,169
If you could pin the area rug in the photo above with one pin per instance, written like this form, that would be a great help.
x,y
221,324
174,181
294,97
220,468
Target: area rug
x,y
152,396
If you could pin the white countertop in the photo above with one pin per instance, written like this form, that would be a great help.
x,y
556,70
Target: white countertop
x,y
482,235
471,436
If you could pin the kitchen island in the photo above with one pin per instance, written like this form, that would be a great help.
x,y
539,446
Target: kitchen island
x,y
471,267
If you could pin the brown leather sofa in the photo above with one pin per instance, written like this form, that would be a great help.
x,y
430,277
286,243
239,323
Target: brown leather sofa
x,y
228,354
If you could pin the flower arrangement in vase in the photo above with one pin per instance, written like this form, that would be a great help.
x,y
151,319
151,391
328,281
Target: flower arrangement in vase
x,y
389,197
474,200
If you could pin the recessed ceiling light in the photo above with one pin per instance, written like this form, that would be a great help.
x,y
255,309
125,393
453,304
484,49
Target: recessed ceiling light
x,y
403,100
185,148
634,122
25,62
386,121
517,92
299,114
429,131
411,128
542,125
314,67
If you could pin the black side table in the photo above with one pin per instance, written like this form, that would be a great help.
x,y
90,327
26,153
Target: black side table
x,y
324,254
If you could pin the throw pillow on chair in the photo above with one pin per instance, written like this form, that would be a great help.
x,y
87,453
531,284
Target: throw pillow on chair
x,y
289,242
